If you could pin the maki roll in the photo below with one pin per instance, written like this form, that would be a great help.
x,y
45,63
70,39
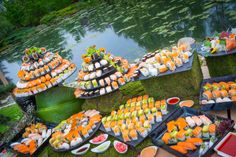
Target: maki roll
x,y
35,56
197,132
181,135
88,85
90,67
97,65
188,133
207,95
114,85
153,71
133,134
46,68
85,132
99,73
144,72
121,81
232,92
142,131
158,117
171,65
118,74
216,93
101,83
86,77
40,61
92,75
103,62
116,131
113,77
108,89
163,68
48,84
25,58
212,129
125,135
108,81
95,83
224,93
102,91
205,131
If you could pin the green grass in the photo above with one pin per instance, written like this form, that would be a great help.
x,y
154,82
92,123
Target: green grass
x,y
3,128
221,66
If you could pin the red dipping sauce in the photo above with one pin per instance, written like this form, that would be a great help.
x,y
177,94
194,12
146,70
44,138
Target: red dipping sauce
x,y
228,145
173,101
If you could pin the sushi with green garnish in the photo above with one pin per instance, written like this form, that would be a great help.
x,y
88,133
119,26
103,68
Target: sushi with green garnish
x,y
95,83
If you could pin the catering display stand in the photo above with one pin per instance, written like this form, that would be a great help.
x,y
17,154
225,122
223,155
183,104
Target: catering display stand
x,y
217,105
184,82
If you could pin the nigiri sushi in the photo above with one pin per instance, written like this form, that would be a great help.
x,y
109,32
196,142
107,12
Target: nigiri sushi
x,y
103,62
113,77
195,141
190,121
187,145
133,134
102,91
114,85
121,81
97,65
197,120
108,89
180,149
101,83
212,129
99,73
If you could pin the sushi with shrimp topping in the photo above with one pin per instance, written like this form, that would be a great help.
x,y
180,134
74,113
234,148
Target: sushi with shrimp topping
x,y
101,83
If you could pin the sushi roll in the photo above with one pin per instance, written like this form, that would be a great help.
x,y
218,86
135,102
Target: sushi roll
x,y
85,132
147,111
101,83
147,125
116,131
197,132
90,67
153,111
98,73
133,134
153,71
171,65
205,131
118,74
86,77
102,91
125,135
97,65
188,133
46,68
212,129
95,83
40,61
88,85
224,93
164,109
190,121
197,120
121,81
108,81
113,77
92,75
158,117
181,135
151,118
232,92
163,68
103,62
185,57
207,95
142,131
144,72
114,85
48,84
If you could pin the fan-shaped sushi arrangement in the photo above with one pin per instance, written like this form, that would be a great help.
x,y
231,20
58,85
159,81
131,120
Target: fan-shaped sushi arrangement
x,y
219,92
136,119
188,133
33,137
220,42
74,131
161,61
101,73
41,70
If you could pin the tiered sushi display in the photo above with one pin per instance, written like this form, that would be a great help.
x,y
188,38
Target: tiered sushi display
x,y
101,73
41,70
74,131
136,119
165,61
33,137
220,43
219,92
189,132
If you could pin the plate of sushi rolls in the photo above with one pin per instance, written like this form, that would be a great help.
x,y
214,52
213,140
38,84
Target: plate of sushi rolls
x,y
218,92
75,131
33,137
163,62
219,44
101,73
41,70
136,119
189,132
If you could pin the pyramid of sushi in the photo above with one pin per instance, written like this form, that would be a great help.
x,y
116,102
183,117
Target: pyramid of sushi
x,y
41,70
161,61
137,116
73,131
101,73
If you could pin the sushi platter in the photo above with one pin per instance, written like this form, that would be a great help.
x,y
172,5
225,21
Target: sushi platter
x,y
101,74
75,131
135,120
220,44
191,133
40,71
32,138
166,62
218,93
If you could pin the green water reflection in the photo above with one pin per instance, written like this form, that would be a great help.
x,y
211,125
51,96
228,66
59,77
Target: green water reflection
x,y
128,29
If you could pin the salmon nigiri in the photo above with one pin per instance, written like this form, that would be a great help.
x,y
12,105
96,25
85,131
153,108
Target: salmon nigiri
x,y
166,137
187,145
179,149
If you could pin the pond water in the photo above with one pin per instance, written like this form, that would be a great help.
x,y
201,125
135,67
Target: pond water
x,y
127,29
